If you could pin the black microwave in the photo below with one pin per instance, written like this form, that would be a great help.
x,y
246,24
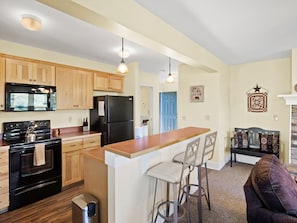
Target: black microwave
x,y
24,97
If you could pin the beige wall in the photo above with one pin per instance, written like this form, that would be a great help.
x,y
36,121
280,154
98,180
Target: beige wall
x,y
272,75
205,114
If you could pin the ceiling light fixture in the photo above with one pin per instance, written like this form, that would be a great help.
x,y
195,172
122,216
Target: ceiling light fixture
x,y
170,77
31,22
122,68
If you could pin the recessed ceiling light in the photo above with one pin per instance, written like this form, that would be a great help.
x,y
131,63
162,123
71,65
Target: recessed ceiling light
x,y
31,22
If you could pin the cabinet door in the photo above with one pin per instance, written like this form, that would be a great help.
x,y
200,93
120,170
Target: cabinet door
x,y
2,83
4,183
72,167
83,90
64,83
101,81
116,82
44,74
72,163
18,71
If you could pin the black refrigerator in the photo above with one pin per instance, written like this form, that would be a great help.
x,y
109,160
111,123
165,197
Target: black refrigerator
x,y
113,117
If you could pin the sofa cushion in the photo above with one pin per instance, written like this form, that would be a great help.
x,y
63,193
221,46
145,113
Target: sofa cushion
x,y
274,185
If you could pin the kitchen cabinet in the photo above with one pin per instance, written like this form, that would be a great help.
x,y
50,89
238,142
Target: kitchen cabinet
x,y
72,157
108,82
27,72
72,161
2,83
74,88
4,178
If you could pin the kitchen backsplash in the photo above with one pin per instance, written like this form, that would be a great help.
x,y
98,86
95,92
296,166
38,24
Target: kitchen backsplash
x,y
59,118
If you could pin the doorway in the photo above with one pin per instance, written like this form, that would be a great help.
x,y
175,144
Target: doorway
x,y
146,108
168,115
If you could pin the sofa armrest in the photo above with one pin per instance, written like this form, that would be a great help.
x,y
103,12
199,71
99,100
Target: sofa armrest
x,y
256,212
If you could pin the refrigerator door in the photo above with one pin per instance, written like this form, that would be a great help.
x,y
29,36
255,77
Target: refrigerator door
x,y
119,108
119,131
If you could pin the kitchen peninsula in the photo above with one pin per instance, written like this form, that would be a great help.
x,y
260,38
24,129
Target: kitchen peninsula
x,y
115,174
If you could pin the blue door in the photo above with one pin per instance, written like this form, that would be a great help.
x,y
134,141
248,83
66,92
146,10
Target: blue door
x,y
167,111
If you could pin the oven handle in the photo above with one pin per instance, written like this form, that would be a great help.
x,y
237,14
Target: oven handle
x,y
21,148
36,187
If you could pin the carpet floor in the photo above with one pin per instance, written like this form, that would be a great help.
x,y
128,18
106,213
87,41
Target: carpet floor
x,y
226,196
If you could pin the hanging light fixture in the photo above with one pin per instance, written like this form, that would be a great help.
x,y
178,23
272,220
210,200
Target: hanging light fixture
x,y
122,68
170,77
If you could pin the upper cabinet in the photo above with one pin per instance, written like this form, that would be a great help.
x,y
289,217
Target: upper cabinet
x,y
108,82
26,72
74,88
2,82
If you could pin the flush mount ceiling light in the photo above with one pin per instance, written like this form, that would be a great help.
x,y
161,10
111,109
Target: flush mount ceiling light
x,y
122,68
170,77
31,22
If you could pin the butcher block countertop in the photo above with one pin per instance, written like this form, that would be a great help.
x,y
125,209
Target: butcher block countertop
x,y
140,146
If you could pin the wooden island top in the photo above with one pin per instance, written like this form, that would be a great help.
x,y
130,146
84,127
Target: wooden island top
x,y
140,146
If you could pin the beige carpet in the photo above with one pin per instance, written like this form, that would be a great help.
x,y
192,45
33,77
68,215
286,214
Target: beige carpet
x,y
226,195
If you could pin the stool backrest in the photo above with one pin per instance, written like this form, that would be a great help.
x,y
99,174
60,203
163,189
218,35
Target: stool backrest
x,y
208,149
190,156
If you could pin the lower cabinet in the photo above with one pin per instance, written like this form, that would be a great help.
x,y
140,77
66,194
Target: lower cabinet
x,y
72,157
4,179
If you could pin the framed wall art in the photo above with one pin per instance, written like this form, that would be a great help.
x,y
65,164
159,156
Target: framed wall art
x,y
197,93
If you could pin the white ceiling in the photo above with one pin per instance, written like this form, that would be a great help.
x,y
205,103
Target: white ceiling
x,y
236,31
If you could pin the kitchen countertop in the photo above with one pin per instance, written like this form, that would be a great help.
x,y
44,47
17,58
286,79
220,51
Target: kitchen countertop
x,y
140,146
71,135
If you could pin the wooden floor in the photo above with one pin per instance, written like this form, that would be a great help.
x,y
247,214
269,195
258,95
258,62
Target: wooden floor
x,y
55,209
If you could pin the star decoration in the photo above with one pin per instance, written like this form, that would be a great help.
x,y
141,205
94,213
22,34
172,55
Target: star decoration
x,y
257,88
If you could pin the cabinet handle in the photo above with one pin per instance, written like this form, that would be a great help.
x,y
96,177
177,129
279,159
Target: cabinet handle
x,y
73,145
1,105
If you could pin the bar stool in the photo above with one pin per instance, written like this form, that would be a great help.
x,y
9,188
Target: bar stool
x,y
202,158
173,173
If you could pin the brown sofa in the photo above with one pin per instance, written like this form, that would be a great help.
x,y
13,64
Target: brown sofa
x,y
270,192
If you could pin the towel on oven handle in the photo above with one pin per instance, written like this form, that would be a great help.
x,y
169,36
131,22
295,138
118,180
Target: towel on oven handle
x,y
39,154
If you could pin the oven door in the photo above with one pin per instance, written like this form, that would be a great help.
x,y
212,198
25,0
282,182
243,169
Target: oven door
x,y
24,173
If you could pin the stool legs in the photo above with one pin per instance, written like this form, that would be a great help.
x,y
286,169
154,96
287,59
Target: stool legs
x,y
207,186
199,203
156,184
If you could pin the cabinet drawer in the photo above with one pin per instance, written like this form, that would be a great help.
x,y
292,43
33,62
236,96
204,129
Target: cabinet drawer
x,y
4,200
72,145
91,141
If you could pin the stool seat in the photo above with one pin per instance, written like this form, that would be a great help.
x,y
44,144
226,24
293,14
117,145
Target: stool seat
x,y
168,171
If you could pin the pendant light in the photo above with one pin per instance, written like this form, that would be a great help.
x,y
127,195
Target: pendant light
x,y
122,68
170,77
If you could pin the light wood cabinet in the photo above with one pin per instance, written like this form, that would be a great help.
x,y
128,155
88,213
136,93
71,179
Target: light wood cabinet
x,y
72,161
26,72
72,157
74,88
4,178
2,83
108,82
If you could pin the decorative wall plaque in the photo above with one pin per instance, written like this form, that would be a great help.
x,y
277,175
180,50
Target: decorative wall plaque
x,y
257,100
197,93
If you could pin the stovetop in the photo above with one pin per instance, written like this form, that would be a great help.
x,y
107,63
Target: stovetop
x,y
14,132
